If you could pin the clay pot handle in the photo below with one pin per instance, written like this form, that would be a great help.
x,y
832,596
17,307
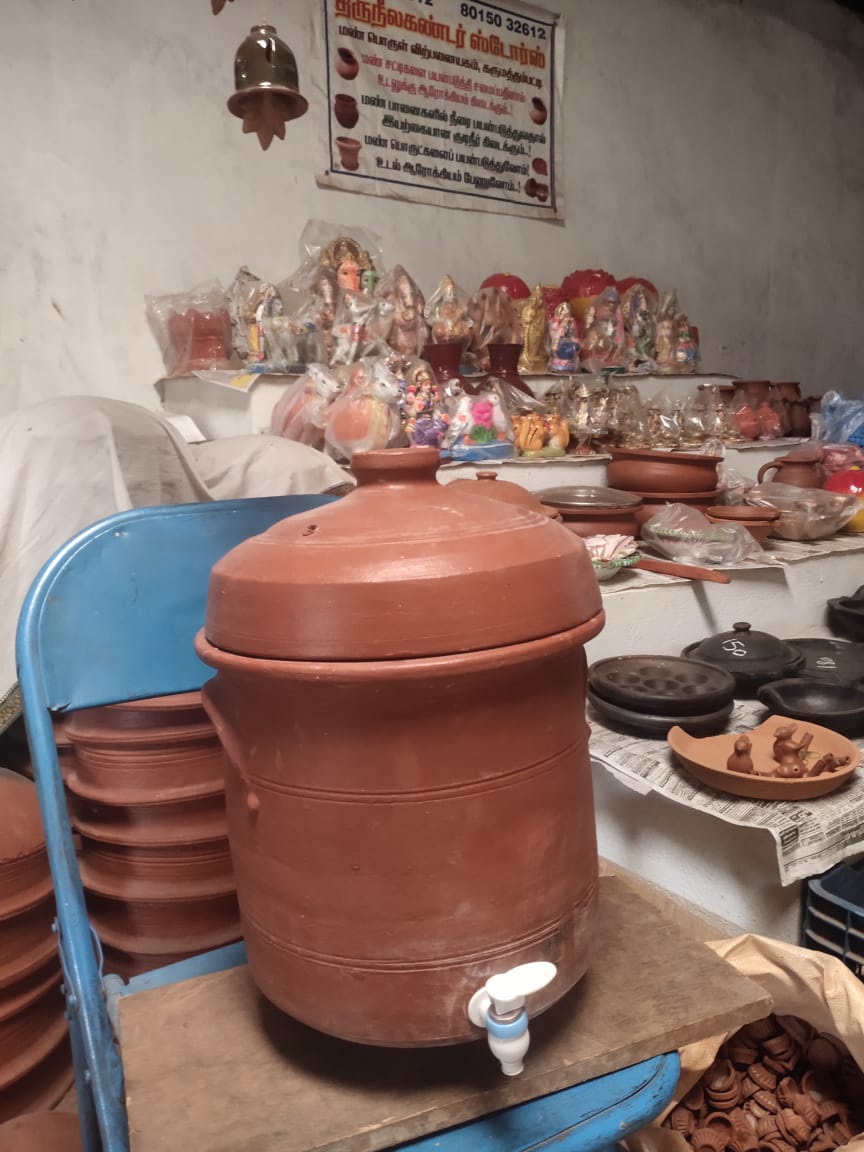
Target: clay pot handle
x,y
395,465
774,465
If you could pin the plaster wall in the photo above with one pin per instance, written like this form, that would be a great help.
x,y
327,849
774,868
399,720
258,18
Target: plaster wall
x,y
711,145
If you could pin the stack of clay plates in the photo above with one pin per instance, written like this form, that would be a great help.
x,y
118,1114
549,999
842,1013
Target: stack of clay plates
x,y
148,801
651,694
35,1062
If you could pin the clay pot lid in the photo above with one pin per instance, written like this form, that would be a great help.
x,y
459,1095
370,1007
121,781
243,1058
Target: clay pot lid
x,y
743,513
747,653
585,496
41,1132
489,484
401,567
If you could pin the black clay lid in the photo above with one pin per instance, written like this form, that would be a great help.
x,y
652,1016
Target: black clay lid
x,y
748,654
671,685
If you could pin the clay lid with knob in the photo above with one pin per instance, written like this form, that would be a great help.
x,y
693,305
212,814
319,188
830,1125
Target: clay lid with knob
x,y
401,567
746,652
488,484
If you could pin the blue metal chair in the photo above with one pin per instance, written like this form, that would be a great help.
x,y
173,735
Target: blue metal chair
x,y
111,617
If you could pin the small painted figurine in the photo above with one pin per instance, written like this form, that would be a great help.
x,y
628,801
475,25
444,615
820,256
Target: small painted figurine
x,y
603,344
409,331
563,340
686,351
741,760
828,763
301,413
425,418
664,354
479,420
534,356
365,417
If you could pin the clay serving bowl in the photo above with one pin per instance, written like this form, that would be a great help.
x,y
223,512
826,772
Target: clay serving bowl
x,y
837,706
593,511
706,760
838,661
645,469
757,521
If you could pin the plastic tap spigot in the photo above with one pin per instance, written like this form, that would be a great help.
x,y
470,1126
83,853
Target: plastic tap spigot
x,y
499,1007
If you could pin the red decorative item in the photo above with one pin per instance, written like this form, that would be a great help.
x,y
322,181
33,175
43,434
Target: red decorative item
x,y
629,281
582,286
850,483
552,297
515,288
199,339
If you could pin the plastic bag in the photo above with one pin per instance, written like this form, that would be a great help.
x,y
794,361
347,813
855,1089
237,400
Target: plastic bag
x,y
447,314
301,413
839,457
338,245
805,513
366,414
804,984
292,338
494,322
842,419
425,418
361,327
193,329
682,533
409,331
604,342
639,306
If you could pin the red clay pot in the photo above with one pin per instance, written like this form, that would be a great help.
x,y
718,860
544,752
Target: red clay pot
x,y
43,1087
28,1037
445,360
26,941
645,470
382,663
147,927
504,364
25,878
156,873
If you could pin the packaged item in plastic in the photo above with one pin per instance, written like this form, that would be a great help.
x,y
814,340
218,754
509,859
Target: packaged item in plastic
x,y
480,428
243,288
354,255
193,329
301,413
805,513
664,340
534,356
639,306
664,421
293,339
409,331
447,314
564,346
682,533
686,351
494,322
842,419
604,342
840,457
425,418
366,414
351,327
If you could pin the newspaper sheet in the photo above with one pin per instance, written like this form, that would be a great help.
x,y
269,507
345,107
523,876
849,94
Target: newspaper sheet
x,y
810,835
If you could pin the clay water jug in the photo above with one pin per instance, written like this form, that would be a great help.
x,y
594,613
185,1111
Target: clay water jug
x,y
400,694
801,468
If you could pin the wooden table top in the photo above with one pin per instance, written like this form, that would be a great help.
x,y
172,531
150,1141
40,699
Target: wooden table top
x,y
211,1065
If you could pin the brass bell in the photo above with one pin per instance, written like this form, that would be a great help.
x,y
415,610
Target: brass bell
x,y
267,85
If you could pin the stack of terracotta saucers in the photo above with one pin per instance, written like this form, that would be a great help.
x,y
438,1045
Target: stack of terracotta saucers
x,y
148,802
651,694
35,1061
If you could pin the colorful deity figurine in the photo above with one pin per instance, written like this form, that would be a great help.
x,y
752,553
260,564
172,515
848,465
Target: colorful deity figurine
x,y
563,340
424,415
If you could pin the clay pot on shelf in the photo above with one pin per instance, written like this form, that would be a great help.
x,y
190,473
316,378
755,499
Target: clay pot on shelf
x,y
445,361
436,700
587,511
504,364
758,521
647,470
801,468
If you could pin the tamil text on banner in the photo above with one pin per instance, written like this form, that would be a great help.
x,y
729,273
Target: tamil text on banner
x,y
444,102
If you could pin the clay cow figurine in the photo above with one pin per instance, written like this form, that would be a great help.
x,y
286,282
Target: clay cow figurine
x,y
741,760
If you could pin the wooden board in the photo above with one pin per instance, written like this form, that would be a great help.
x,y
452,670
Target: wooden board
x,y
211,1065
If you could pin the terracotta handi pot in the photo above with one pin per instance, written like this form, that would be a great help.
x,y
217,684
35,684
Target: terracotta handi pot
x,y
647,470
401,825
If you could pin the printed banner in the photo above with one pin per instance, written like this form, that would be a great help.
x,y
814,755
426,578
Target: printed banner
x,y
444,102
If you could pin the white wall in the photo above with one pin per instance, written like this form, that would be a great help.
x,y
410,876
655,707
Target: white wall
x,y
711,144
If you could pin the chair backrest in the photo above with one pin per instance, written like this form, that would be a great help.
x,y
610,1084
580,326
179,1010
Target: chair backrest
x,y
113,614
112,617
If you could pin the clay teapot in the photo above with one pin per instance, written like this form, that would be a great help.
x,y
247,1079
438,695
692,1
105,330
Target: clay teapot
x,y
801,468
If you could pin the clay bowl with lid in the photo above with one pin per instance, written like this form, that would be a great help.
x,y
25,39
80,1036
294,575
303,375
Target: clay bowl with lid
x,y
758,521
649,470
593,511
752,657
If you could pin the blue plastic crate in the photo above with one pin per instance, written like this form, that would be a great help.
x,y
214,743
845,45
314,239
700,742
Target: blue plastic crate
x,y
834,915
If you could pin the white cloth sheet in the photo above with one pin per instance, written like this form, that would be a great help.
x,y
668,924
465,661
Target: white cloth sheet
x,y
68,462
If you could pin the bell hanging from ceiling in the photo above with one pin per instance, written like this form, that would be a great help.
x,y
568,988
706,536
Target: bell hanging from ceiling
x,y
267,85
217,6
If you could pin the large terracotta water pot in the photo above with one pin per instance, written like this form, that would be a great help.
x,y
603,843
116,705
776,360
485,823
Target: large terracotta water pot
x,y
400,695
